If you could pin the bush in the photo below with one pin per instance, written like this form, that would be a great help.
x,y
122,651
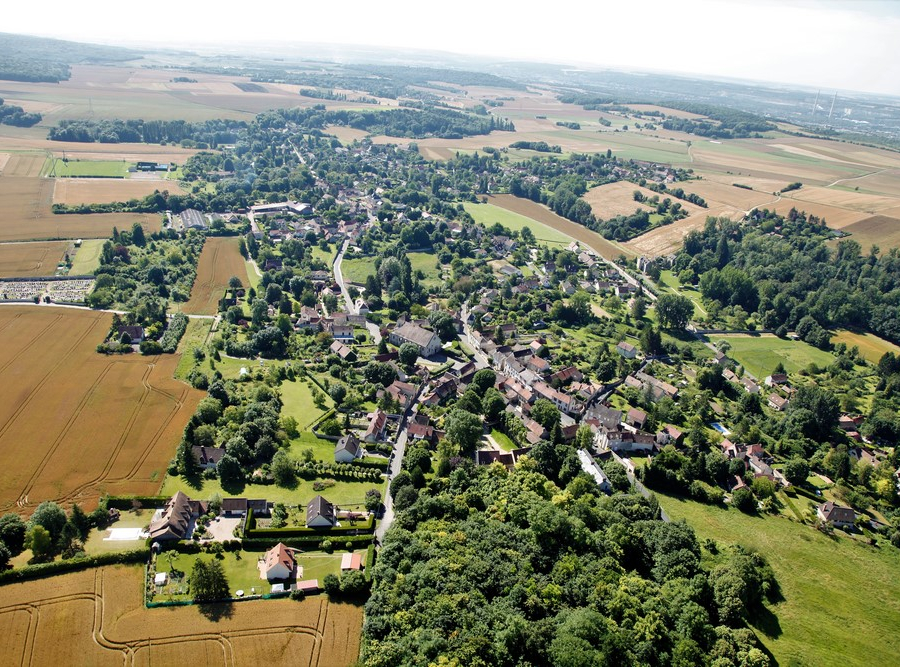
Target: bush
x,y
173,333
151,347
743,499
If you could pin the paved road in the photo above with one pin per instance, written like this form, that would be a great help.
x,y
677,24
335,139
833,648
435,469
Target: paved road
x,y
339,277
393,470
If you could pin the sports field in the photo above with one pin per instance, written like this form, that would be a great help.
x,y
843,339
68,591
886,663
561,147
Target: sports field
x,y
841,597
97,617
19,260
219,261
75,424
761,354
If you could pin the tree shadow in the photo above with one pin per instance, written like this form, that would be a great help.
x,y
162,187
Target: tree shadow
x,y
194,481
216,611
235,487
763,619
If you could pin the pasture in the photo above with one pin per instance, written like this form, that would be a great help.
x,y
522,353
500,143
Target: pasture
x,y
65,168
870,346
829,584
25,214
87,257
534,211
219,261
97,617
760,354
75,424
19,260
488,214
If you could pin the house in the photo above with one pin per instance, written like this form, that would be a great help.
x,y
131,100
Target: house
x,y
320,513
837,516
566,375
776,379
135,333
341,332
776,402
375,430
278,563
620,439
176,519
234,506
567,404
604,416
591,468
402,392
626,350
749,385
347,449
207,457
427,341
351,562
341,350
670,435
636,418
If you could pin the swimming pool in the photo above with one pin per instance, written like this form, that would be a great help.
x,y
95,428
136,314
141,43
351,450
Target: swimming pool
x,y
721,429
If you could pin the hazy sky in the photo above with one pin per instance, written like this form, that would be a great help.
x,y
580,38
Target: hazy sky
x,y
853,45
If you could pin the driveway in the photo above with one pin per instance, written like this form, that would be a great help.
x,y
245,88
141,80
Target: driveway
x,y
222,528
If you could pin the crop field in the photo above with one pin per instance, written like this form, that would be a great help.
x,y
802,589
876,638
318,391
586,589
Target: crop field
x,y
87,168
346,135
870,346
219,261
530,209
729,195
19,260
828,585
608,201
75,424
488,214
880,230
104,190
22,164
97,617
761,354
25,214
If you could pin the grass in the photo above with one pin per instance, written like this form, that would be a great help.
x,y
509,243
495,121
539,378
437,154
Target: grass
x,y
357,269
323,450
253,278
671,281
426,262
341,493
488,214
95,543
88,168
194,337
503,440
870,346
87,257
829,585
298,403
761,354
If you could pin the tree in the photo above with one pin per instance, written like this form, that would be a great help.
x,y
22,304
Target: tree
x,y
442,324
483,380
492,404
464,429
638,308
822,405
651,341
137,235
377,372
408,353
743,500
12,533
81,521
283,469
208,581
673,311
796,471
40,542
373,500
229,471
235,283
545,413
51,517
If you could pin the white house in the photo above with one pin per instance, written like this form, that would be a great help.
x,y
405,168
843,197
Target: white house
x,y
427,341
278,563
347,449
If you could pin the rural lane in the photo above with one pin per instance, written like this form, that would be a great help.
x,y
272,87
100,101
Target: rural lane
x,y
393,470
339,278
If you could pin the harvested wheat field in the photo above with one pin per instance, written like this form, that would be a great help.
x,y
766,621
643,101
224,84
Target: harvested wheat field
x,y
25,214
97,617
24,164
219,261
834,216
577,232
20,260
75,424
612,199
103,190
880,230
727,195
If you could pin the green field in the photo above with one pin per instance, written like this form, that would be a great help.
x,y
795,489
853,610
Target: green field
x,y
87,257
194,337
503,440
669,280
488,214
298,403
761,354
357,269
89,168
841,598
253,278
871,347
342,493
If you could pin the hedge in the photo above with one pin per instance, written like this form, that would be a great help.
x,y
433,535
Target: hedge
x,y
127,502
313,542
173,333
301,531
61,566
370,560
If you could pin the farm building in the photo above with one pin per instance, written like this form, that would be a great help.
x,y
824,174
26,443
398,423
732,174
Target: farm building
x,y
320,513
351,562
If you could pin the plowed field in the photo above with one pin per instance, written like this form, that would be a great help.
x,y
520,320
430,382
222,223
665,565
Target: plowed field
x,y
75,424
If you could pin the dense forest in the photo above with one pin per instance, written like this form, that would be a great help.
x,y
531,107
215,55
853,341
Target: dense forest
x,y
536,567
730,123
785,271
25,58
205,134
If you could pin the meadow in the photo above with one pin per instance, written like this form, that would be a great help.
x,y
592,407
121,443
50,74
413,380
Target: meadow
x,y
75,424
870,346
488,214
841,602
87,257
97,617
65,168
760,354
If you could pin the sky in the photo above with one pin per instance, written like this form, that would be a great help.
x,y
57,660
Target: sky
x,y
828,44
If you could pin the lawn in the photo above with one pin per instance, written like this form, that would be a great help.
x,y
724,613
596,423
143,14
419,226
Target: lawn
x,y
503,440
87,257
323,450
341,493
96,544
671,281
841,597
761,354
194,337
357,269
425,262
253,278
298,403
488,214
88,168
